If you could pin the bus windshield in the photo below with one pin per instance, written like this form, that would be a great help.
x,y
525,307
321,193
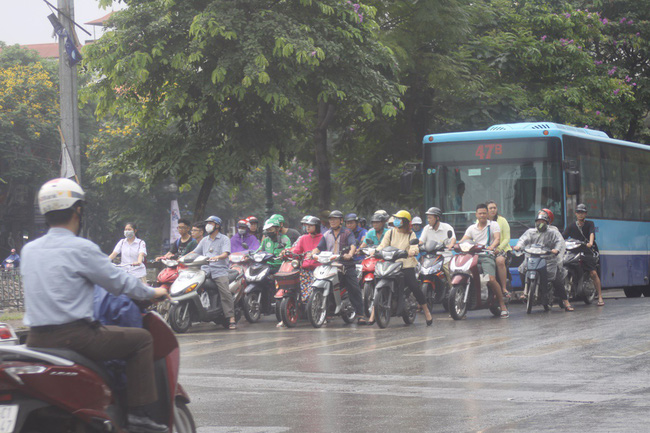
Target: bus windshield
x,y
521,176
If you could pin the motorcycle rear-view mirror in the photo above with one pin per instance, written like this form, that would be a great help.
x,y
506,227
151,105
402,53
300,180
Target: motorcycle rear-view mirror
x,y
449,234
414,241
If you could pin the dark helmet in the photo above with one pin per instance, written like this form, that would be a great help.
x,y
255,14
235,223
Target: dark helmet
x,y
541,215
351,217
336,214
378,218
213,219
312,220
581,208
434,211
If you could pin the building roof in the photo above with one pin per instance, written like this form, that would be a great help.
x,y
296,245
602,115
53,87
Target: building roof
x,y
99,21
48,51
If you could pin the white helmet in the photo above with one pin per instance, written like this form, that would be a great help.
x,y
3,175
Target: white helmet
x,y
416,221
59,194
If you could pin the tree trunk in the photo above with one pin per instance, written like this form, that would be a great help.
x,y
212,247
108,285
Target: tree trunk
x,y
204,195
325,117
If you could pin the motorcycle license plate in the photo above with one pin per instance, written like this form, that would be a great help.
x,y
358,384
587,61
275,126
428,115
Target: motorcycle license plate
x,y
8,415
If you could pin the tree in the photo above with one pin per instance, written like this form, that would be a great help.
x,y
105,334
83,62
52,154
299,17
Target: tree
x,y
219,87
29,141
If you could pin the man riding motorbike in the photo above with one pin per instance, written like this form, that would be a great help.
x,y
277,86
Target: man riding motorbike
x,y
552,240
487,232
335,240
216,246
352,223
416,226
13,258
377,232
438,231
292,234
59,272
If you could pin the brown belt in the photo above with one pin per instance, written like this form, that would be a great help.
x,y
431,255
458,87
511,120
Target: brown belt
x,y
76,323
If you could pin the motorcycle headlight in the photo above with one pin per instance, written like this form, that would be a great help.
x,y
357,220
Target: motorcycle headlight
x,y
388,255
190,288
295,264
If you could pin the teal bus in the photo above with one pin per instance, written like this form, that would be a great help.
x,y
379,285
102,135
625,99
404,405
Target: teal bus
x,y
525,167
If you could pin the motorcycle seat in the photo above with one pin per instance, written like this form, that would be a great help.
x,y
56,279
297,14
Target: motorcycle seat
x,y
232,275
77,359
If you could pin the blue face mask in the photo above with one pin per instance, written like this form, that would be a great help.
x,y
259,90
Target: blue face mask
x,y
397,222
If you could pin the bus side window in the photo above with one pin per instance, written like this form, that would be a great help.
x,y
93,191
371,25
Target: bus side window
x,y
612,181
631,184
644,175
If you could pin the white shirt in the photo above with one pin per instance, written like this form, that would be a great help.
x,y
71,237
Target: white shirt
x,y
129,253
480,236
440,235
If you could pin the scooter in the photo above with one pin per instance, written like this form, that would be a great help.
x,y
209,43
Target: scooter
x,y
192,303
578,283
258,299
434,281
9,265
61,391
392,297
367,281
328,298
166,278
469,290
536,291
287,283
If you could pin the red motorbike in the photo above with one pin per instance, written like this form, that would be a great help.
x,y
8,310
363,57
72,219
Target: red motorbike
x,y
368,278
166,278
469,290
288,295
60,391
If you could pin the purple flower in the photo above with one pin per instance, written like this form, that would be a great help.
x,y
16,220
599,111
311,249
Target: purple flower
x,y
566,87
586,126
630,22
633,84
313,53
612,71
628,79
568,15
356,7
638,34
543,38
351,129
597,113
616,91
622,21
598,62
360,18
604,21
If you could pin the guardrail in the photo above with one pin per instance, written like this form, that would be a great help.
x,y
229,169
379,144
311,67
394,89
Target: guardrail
x,y
11,291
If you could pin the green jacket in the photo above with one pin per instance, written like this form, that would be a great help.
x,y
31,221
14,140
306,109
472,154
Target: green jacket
x,y
274,248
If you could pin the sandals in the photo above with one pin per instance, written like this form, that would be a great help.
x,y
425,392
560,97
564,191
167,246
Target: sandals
x,y
232,326
601,303
505,314
569,308
362,321
507,295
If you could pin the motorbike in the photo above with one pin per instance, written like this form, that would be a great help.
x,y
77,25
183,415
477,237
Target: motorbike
x,y
166,278
578,283
60,391
392,297
287,283
535,291
328,297
469,290
434,281
9,265
367,280
258,299
192,303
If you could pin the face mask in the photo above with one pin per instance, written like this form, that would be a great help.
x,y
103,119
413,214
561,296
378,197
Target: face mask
x,y
209,228
273,235
397,223
541,227
241,231
129,234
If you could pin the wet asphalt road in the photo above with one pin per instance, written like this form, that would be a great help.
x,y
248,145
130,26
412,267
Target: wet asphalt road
x,y
557,371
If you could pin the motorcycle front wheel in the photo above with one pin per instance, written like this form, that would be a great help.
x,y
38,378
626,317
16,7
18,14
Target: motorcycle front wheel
x,y
429,294
382,307
532,294
588,289
368,293
251,307
457,304
183,419
410,310
315,312
180,317
289,311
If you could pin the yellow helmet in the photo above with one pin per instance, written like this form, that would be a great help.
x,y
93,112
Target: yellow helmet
x,y
403,214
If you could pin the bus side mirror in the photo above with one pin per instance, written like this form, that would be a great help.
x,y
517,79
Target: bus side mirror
x,y
572,182
406,182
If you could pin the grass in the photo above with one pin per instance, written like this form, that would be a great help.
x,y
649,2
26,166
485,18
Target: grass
x,y
11,316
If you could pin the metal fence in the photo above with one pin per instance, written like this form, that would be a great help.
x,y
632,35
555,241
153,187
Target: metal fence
x,y
11,291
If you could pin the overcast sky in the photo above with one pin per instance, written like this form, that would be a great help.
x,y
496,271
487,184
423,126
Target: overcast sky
x,y
25,21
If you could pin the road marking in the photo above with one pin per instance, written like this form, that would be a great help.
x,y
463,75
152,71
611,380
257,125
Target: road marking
x,y
238,429
454,348
631,352
552,348
200,342
238,345
319,345
381,346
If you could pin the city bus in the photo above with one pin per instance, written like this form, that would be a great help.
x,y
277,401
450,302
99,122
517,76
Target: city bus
x,y
525,167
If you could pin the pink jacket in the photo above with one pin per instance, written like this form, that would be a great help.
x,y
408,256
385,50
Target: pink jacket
x,y
304,244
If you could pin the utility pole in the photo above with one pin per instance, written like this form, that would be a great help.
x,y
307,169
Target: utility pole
x,y
68,90
269,190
